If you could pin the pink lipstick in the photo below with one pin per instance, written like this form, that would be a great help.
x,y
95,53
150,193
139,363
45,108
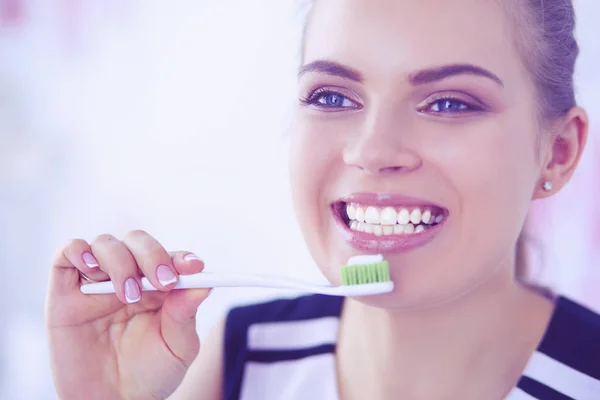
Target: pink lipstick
x,y
387,223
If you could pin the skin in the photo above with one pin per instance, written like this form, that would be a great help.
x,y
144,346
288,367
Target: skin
x,y
104,346
457,294
457,313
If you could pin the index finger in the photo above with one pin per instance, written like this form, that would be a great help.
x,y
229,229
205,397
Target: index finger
x,y
67,264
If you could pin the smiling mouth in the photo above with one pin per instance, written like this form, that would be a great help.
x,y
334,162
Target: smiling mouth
x,y
387,223
389,220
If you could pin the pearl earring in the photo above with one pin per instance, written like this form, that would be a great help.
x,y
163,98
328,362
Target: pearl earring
x,y
547,186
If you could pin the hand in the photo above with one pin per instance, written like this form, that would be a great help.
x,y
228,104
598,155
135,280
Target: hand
x,y
128,345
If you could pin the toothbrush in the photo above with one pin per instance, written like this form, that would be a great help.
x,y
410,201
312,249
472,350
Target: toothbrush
x,y
362,276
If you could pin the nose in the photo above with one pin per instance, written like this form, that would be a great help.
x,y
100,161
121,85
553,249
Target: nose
x,y
382,146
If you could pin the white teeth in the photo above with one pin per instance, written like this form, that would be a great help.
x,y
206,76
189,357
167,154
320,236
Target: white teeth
x,y
386,230
360,214
388,216
398,229
377,230
389,220
403,217
426,217
415,216
351,211
372,216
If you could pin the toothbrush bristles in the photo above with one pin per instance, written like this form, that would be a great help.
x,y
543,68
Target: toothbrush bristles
x,y
366,273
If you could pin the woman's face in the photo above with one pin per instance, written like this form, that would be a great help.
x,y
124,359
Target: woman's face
x,y
415,137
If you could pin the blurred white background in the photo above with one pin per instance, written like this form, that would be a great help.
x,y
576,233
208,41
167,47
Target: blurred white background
x,y
171,116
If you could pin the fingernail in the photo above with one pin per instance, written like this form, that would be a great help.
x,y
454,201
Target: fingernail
x,y
165,275
132,291
190,257
90,260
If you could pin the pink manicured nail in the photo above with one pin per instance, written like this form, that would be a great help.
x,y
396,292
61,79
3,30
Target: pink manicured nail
x,y
165,275
90,260
132,291
190,257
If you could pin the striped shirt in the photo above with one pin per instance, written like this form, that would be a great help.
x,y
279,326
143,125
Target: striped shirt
x,y
285,350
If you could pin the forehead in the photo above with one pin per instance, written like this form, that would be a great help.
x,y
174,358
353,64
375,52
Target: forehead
x,y
395,36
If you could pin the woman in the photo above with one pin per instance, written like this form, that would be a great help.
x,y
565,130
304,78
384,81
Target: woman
x,y
445,118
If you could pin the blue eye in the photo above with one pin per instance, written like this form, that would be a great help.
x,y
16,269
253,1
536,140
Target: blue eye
x,y
326,99
451,105
333,100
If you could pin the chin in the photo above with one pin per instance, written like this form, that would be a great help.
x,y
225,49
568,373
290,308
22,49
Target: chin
x,y
421,280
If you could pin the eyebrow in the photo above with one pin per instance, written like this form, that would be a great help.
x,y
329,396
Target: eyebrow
x,y
418,78
331,68
446,71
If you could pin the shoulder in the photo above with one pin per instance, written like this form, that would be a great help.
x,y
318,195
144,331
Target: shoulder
x,y
572,340
566,364
573,326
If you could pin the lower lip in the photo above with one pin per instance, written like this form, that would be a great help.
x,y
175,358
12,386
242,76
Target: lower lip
x,y
391,244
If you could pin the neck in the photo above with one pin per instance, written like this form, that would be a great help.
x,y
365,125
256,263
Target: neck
x,y
492,330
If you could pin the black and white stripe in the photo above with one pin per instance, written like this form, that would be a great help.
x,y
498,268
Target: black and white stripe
x,y
285,349
282,349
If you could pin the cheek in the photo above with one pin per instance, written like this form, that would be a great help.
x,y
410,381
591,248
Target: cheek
x,y
491,166
313,156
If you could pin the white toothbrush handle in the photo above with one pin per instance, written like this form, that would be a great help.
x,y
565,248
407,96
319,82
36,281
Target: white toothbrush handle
x,y
210,280
237,279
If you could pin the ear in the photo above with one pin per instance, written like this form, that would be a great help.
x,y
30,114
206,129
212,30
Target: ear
x,y
563,152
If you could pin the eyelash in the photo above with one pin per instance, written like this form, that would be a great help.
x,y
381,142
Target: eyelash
x,y
470,107
313,99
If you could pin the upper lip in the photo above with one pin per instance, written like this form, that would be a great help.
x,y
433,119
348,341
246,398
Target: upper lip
x,y
387,199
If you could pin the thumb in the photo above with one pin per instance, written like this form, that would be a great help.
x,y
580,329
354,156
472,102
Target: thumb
x,y
178,322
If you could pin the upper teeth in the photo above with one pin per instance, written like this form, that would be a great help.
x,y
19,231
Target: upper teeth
x,y
426,217
415,216
388,216
360,214
373,215
403,216
390,220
